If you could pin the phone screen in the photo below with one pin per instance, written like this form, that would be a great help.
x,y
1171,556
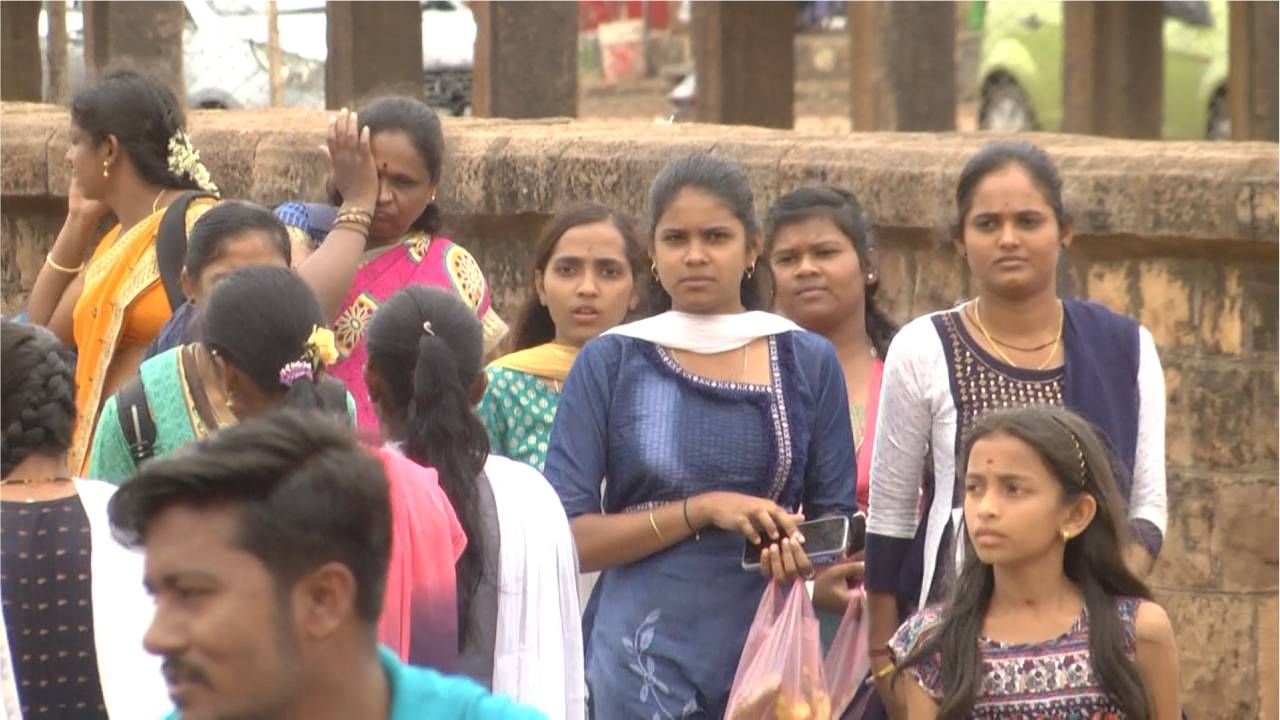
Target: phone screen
x,y
824,539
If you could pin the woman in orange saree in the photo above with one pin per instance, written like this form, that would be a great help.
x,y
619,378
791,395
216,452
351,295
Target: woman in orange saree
x,y
129,157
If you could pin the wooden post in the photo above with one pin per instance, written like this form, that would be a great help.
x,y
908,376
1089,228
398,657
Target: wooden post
x,y
20,51
1113,68
903,66
142,36
526,59
744,53
273,54
59,89
374,48
1252,74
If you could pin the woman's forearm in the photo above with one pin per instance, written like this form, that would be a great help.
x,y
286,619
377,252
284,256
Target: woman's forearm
x,y
608,540
48,304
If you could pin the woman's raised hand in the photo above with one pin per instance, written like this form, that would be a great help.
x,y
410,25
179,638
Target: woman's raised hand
x,y
351,161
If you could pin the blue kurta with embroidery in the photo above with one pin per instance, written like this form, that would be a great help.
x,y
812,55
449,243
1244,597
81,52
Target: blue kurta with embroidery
x,y
664,633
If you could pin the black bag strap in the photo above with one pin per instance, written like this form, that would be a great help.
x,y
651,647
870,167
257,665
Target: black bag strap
x,y
171,245
134,413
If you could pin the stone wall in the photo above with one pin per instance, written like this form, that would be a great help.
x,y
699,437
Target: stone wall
x,y
1181,235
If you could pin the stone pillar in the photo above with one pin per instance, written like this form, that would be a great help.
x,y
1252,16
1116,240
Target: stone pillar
x,y
375,48
526,61
141,36
1252,74
20,51
744,55
57,88
1113,68
903,63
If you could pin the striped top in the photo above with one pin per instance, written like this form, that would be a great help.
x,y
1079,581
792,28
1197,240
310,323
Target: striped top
x,y
1053,679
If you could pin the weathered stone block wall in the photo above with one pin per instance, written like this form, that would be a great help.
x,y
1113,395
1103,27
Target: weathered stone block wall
x,y
1179,235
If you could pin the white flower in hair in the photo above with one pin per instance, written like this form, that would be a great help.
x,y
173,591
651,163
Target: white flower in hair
x,y
184,160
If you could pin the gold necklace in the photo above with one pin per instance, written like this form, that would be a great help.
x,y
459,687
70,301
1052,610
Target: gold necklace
x,y
1053,350
155,204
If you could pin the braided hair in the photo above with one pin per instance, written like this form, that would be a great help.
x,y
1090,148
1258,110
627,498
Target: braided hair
x,y
38,405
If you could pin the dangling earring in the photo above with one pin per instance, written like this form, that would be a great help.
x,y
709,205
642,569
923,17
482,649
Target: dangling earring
x,y
751,271
105,173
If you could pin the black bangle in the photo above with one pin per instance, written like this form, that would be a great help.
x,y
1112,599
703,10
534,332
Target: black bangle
x,y
696,535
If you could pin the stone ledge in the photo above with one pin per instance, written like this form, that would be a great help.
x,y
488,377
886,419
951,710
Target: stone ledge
x,y
1169,190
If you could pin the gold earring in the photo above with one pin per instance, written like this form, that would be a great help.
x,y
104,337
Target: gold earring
x,y
653,269
105,173
751,271
1066,535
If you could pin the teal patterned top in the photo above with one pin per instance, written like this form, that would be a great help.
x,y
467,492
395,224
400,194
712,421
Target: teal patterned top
x,y
518,410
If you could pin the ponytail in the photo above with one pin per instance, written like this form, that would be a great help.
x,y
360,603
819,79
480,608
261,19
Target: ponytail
x,y
426,347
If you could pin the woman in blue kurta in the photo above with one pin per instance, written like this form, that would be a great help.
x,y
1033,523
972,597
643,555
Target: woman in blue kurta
x,y
711,423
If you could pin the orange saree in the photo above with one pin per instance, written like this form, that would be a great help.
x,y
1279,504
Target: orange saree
x,y
123,303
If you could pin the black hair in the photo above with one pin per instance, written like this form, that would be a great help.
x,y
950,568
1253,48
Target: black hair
x,y
226,220
427,375
306,493
533,324
143,114
721,178
842,207
415,119
999,154
259,319
1093,561
38,404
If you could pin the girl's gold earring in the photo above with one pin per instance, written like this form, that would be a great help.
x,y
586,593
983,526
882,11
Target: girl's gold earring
x,y
1066,535
105,172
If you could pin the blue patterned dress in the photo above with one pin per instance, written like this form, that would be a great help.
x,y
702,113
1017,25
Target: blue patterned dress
x,y
664,633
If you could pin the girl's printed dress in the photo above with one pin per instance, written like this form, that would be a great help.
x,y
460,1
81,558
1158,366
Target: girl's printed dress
x,y
1053,679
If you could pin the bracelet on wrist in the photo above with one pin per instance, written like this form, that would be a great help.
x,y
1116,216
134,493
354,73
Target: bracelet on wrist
x,y
697,536
48,260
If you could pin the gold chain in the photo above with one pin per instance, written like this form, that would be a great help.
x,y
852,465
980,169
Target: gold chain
x,y
1053,350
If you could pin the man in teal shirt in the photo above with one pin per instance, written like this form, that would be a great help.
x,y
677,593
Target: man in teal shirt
x,y
267,548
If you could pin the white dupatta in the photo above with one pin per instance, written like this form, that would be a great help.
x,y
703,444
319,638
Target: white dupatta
x,y
705,334
537,656
132,686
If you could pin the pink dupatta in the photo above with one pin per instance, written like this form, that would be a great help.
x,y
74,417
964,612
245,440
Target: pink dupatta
x,y
869,434
417,260
420,609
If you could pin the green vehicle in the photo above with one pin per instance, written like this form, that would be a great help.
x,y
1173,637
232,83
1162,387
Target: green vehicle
x,y
1020,71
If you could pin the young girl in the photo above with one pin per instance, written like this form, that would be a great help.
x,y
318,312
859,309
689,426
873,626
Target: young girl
x,y
588,269
1046,619
711,422
518,627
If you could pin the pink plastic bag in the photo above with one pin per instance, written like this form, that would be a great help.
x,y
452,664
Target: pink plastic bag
x,y
848,661
780,675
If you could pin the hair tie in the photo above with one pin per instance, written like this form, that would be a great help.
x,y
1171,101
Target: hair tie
x,y
426,327
295,371
1084,466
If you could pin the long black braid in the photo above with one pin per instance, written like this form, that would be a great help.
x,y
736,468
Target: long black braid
x,y
38,406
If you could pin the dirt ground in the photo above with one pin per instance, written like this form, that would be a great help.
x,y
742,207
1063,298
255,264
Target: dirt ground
x,y
821,106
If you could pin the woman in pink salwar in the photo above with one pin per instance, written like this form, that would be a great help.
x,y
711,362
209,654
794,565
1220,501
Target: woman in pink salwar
x,y
400,139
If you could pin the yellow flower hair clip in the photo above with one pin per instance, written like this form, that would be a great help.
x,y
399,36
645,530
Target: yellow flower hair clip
x,y
322,347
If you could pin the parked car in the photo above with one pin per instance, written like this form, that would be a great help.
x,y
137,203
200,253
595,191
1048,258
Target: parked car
x,y
1020,72
225,63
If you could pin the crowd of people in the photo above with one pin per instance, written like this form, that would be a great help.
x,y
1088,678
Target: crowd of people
x,y
352,491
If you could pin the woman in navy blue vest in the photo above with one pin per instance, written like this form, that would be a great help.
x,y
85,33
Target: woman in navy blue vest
x,y
1016,343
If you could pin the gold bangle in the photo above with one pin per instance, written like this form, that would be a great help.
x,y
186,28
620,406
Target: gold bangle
x,y
361,220
48,260
654,524
356,228
884,672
